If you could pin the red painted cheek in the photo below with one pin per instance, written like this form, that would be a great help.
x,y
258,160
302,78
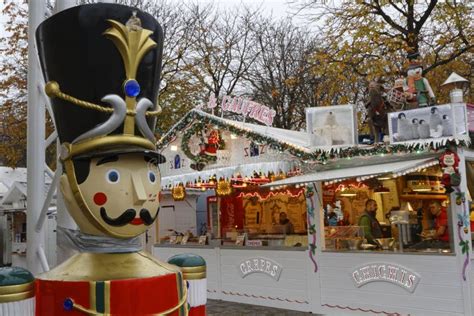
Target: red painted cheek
x,y
100,198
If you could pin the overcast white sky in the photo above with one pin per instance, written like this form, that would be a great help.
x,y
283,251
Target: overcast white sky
x,y
279,8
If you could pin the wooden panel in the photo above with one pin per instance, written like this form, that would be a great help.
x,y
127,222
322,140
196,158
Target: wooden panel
x,y
289,292
439,290
431,263
356,308
343,281
391,301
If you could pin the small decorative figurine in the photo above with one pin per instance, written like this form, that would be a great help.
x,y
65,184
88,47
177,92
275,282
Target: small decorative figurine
x,y
376,112
449,163
417,88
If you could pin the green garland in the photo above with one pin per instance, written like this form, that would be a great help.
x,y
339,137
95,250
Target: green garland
x,y
317,155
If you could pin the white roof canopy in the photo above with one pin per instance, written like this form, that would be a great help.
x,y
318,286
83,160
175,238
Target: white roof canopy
x,y
360,171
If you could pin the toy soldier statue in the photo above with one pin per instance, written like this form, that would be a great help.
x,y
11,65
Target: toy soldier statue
x,y
102,66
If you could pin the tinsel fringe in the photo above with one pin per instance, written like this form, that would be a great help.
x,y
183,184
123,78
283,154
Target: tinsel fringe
x,y
197,292
23,308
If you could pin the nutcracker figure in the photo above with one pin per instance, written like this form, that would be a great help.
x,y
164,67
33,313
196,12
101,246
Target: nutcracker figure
x,y
102,66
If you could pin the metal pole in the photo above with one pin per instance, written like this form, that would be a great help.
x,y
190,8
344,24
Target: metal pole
x,y
35,143
63,5
63,218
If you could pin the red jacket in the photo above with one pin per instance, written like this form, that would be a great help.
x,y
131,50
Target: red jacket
x,y
140,296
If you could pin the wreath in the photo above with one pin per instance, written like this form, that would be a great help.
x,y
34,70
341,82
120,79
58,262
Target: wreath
x,y
201,160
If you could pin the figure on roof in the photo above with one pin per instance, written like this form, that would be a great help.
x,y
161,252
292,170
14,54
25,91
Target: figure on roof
x,y
376,111
417,88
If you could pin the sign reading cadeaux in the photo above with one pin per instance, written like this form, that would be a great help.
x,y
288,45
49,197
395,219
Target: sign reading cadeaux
x,y
386,272
260,265
245,107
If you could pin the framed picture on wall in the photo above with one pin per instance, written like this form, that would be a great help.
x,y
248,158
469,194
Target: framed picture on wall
x,y
240,241
330,126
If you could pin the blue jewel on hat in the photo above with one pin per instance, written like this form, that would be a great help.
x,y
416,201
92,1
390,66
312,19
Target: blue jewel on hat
x,y
68,304
131,88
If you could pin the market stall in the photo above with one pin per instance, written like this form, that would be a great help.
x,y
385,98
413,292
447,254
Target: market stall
x,y
213,205
394,236
406,265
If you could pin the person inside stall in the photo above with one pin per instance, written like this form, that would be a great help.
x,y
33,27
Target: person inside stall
x,y
369,222
439,237
441,224
287,226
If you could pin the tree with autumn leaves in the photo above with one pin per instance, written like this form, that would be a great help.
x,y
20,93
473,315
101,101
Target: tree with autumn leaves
x,y
331,60
13,85
370,39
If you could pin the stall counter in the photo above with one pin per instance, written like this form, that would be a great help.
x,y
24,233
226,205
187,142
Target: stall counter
x,y
267,276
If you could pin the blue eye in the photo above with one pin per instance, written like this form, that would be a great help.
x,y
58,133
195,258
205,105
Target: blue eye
x,y
151,177
112,176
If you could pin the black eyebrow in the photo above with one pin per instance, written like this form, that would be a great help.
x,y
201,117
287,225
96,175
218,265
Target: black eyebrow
x,y
107,159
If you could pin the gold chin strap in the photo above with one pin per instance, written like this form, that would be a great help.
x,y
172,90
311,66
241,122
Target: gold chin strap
x,y
181,302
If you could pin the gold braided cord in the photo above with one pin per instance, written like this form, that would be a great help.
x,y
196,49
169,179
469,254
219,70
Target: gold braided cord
x,y
53,91
167,312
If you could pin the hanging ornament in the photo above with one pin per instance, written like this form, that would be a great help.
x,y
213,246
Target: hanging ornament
x,y
223,188
449,163
178,192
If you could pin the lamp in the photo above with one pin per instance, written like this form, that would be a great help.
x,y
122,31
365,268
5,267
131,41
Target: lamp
x,y
456,83
348,192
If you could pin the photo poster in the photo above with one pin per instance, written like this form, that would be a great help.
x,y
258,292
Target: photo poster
x,y
331,126
439,121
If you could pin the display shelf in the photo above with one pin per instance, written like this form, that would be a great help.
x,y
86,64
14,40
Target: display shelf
x,y
423,197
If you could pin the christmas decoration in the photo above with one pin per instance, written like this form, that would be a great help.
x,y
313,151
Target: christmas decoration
x,y
178,192
197,119
207,152
417,88
449,162
223,188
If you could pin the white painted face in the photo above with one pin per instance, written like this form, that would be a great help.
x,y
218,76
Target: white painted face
x,y
416,72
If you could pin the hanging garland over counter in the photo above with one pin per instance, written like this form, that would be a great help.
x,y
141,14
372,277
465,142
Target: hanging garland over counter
x,y
319,155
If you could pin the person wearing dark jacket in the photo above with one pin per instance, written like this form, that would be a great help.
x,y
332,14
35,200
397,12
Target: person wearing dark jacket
x,y
369,222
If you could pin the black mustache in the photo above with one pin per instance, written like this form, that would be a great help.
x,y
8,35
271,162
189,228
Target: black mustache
x,y
146,216
122,220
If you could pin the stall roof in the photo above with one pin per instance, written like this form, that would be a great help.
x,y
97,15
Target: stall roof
x,y
360,171
283,136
